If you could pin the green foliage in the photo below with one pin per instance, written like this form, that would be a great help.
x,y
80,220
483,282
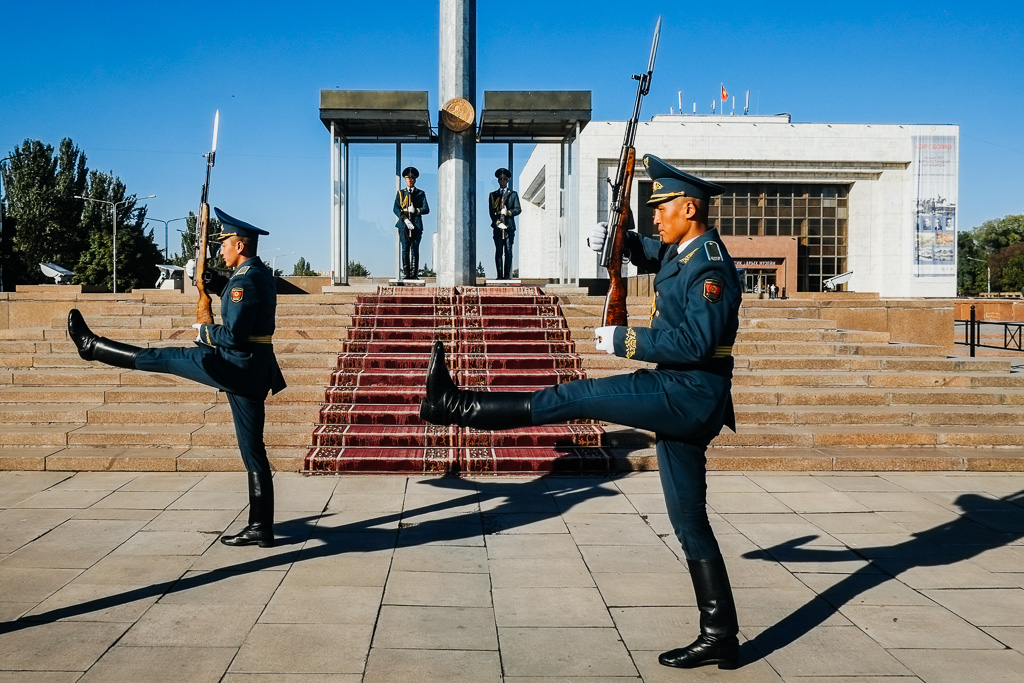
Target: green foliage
x,y
480,272
997,244
357,269
303,269
41,215
427,271
188,243
137,252
1008,269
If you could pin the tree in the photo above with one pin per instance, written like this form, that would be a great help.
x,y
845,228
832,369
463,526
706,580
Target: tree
x,y
41,214
188,242
303,269
357,269
480,272
137,251
972,265
994,244
427,271
1008,268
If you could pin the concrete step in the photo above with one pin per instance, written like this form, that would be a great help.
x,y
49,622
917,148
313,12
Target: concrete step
x,y
874,396
881,379
919,415
778,349
871,436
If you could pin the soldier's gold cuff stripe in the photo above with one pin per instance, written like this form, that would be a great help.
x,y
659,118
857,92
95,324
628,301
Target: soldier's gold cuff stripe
x,y
723,352
261,338
630,342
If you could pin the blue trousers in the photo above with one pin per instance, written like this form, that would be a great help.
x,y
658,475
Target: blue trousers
x,y
410,248
641,400
203,365
503,252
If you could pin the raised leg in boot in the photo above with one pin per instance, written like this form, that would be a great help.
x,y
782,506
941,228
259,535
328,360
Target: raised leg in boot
x,y
93,347
717,642
446,404
260,529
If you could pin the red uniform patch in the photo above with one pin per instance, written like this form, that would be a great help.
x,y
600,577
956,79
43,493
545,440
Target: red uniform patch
x,y
713,290
236,294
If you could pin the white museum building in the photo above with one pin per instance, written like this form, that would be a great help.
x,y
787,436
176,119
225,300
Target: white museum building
x,y
804,202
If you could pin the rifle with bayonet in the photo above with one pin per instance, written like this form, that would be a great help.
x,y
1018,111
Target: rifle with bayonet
x,y
204,310
619,214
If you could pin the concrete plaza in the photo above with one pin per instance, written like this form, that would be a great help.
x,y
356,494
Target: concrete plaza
x,y
839,577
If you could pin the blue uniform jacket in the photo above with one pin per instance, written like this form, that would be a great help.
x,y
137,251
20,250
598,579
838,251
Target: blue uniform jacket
x,y
243,355
511,202
419,202
694,321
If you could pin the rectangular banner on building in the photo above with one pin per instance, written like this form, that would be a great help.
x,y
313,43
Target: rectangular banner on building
x,y
934,173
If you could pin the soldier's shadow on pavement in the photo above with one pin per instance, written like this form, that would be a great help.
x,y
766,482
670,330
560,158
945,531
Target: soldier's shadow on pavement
x,y
504,505
985,524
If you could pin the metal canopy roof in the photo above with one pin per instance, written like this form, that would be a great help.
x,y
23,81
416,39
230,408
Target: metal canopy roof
x,y
532,116
403,115
377,115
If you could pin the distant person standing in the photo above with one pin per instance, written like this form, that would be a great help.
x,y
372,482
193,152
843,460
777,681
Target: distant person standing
x,y
410,207
503,207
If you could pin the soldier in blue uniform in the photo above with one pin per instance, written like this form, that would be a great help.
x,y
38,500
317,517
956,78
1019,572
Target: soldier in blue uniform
x,y
236,356
410,207
685,401
503,207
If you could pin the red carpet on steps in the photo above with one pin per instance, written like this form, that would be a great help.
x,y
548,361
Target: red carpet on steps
x,y
497,339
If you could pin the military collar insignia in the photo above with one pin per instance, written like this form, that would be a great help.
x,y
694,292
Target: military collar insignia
x,y
243,270
687,258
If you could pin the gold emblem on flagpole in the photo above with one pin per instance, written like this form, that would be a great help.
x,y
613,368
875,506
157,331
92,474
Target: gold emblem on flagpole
x,y
457,114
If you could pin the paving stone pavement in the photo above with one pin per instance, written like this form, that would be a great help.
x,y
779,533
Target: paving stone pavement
x,y
839,578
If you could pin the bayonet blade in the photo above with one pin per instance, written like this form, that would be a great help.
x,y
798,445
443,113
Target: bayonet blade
x,y
654,46
216,125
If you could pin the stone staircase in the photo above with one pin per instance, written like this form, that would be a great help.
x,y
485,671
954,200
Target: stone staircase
x,y
808,394
806,386
59,412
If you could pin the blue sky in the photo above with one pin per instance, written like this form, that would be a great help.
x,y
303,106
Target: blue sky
x,y
135,85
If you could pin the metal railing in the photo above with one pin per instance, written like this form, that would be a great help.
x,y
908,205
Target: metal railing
x,y
972,334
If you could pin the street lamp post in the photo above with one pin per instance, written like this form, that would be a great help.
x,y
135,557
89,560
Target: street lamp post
x,y
273,261
971,258
166,231
113,211
2,162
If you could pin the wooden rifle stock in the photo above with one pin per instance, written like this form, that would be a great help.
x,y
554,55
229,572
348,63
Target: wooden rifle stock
x,y
619,216
618,225
204,309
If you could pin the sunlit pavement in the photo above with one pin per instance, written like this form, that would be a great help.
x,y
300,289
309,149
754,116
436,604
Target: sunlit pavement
x,y
874,578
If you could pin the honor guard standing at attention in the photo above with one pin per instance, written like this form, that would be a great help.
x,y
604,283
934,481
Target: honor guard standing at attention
x,y
503,206
410,206
685,401
236,357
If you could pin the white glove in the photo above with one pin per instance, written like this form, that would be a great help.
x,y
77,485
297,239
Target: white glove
x,y
411,210
597,236
199,327
190,269
606,339
409,224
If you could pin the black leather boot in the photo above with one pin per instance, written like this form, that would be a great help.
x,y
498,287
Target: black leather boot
x,y
446,404
260,529
93,347
717,643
